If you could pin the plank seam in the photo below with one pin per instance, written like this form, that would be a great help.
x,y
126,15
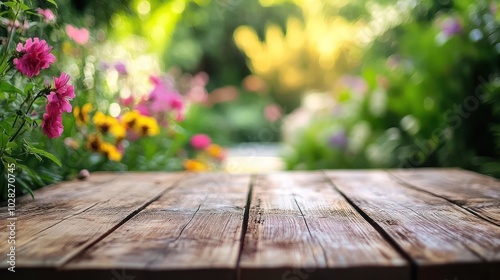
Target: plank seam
x,y
404,183
244,228
380,230
90,244
309,230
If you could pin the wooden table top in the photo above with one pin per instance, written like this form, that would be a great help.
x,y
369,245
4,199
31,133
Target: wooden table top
x,y
362,224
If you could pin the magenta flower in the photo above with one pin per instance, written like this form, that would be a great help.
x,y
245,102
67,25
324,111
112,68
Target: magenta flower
x,y
164,97
200,141
47,14
121,68
34,56
451,26
127,102
62,92
80,35
58,103
52,121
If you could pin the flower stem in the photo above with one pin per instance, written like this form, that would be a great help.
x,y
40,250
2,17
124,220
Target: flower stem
x,y
24,119
11,35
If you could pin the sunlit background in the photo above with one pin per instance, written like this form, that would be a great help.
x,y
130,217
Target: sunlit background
x,y
295,84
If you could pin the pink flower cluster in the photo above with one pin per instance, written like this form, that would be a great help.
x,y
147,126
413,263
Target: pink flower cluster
x,y
58,98
80,35
200,141
47,14
34,56
162,99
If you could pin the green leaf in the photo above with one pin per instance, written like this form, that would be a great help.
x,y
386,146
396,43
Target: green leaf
x,y
52,2
31,173
25,187
7,87
24,7
9,159
11,145
10,4
44,153
6,126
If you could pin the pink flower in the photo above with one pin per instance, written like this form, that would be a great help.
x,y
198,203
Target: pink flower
x,y
121,68
47,14
273,112
58,102
34,56
79,35
164,97
52,121
62,92
127,102
451,26
200,141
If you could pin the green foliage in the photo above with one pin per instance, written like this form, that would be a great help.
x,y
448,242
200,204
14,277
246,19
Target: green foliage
x,y
432,97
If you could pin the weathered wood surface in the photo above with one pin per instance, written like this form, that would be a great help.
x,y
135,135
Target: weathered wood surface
x,y
194,226
472,191
411,224
443,240
76,221
299,221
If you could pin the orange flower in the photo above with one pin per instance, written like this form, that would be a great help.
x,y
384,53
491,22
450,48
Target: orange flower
x,y
194,165
216,151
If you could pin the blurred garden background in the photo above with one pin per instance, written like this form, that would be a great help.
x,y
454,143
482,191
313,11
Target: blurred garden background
x,y
295,84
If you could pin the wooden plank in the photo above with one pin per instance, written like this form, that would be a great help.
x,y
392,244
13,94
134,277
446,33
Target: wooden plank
x,y
112,202
52,205
443,240
191,232
301,228
478,193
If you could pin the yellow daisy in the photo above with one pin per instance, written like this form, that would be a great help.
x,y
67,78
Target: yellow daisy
x,y
146,126
104,123
110,151
82,114
94,142
130,118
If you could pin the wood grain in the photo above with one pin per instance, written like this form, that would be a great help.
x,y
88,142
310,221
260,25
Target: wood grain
x,y
301,228
52,205
191,232
478,193
443,240
110,204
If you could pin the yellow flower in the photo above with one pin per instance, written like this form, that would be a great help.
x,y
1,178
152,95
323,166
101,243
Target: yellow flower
x,y
110,151
194,165
215,151
94,142
104,123
82,114
130,118
146,126
67,48
118,131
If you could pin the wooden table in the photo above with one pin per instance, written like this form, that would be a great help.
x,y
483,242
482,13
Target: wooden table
x,y
381,224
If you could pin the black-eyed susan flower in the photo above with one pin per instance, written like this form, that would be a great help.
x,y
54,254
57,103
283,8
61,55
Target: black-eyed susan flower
x,y
129,119
110,151
104,123
146,126
195,165
82,114
94,142
118,132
